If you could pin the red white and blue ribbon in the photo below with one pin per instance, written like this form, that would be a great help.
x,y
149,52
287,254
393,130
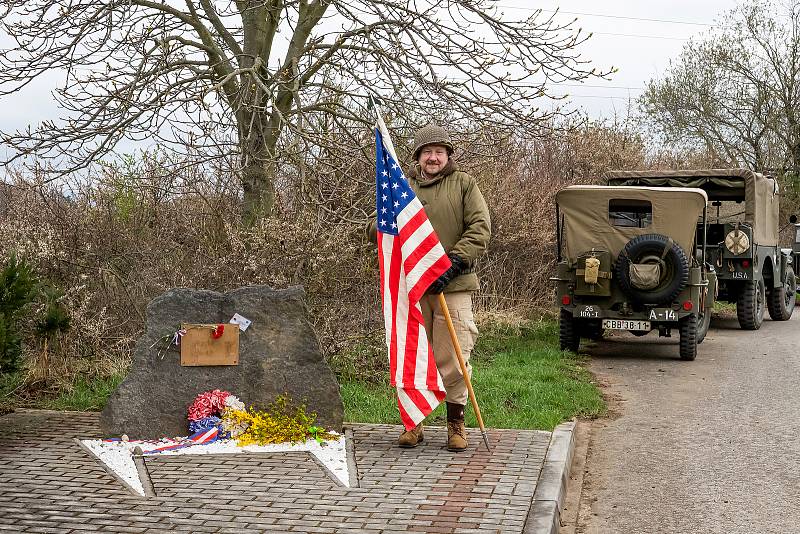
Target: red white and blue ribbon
x,y
199,438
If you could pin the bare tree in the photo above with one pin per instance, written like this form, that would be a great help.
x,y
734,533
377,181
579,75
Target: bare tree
x,y
242,75
737,92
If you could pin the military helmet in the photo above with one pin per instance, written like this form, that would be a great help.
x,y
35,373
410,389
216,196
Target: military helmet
x,y
431,135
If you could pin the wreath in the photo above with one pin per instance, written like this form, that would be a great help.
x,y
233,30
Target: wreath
x,y
209,410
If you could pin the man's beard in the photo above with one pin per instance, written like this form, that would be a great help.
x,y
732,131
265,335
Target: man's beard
x,y
439,168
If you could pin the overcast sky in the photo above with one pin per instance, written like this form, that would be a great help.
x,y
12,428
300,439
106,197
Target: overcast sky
x,y
640,49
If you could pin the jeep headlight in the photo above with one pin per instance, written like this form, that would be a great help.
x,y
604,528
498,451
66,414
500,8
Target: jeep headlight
x,y
737,242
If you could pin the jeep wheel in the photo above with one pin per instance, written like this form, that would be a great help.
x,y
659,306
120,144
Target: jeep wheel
x,y
568,332
750,305
703,324
659,250
782,299
688,343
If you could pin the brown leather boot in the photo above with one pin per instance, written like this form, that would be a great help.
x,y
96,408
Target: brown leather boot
x,y
456,433
411,438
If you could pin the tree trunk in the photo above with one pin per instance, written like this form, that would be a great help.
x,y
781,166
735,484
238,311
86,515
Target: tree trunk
x,y
257,142
258,183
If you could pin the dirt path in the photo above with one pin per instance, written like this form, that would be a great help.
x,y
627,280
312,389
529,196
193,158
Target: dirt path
x,y
710,446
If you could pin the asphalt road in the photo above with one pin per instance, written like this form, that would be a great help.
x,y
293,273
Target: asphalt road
x,y
710,446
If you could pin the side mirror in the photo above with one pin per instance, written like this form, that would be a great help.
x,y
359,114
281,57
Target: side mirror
x,y
793,219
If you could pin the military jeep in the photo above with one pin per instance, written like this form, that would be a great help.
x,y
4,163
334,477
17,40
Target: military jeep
x,y
626,262
741,238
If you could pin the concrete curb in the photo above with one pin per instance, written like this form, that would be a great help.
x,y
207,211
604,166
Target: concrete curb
x,y
352,466
544,516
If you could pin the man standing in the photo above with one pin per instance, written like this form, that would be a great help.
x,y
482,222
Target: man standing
x,y
456,209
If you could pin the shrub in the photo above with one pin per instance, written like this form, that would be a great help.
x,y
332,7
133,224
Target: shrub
x,y
150,223
17,290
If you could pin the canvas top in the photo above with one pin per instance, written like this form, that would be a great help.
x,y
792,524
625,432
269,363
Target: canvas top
x,y
594,216
759,192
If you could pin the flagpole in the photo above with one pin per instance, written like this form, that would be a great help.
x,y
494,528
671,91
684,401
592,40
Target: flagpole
x,y
460,357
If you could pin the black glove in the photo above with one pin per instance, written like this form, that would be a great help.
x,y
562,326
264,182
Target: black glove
x,y
458,266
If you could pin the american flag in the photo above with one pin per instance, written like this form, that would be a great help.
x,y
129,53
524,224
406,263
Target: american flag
x,y
411,258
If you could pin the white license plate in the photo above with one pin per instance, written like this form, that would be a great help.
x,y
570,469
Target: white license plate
x,y
624,324
663,314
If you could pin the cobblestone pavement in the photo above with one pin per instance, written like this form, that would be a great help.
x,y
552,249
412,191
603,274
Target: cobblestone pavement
x,y
49,484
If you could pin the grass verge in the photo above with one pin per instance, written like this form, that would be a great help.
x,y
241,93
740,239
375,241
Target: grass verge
x,y
520,377
82,395
85,395
724,307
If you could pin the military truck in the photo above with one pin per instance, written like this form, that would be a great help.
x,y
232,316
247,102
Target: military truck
x,y
741,238
626,262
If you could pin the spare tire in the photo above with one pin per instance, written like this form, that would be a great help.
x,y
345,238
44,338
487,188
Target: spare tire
x,y
658,249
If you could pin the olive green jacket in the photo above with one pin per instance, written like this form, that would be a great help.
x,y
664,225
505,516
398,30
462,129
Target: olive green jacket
x,y
459,215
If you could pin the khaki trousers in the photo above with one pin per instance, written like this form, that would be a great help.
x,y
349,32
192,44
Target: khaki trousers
x,y
460,306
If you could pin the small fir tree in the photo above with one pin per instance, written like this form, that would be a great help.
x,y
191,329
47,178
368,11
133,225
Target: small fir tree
x,y
18,286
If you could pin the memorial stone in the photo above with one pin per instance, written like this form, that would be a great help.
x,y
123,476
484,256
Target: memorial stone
x,y
279,354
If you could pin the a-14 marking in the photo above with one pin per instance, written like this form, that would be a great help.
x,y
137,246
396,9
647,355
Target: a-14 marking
x,y
663,314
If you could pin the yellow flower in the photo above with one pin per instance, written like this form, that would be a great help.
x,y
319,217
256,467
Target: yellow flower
x,y
280,423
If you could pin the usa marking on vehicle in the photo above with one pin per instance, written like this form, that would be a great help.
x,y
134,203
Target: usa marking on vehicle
x,y
663,314
740,275
625,324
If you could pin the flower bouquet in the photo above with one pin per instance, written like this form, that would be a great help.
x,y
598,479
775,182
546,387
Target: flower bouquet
x,y
279,423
